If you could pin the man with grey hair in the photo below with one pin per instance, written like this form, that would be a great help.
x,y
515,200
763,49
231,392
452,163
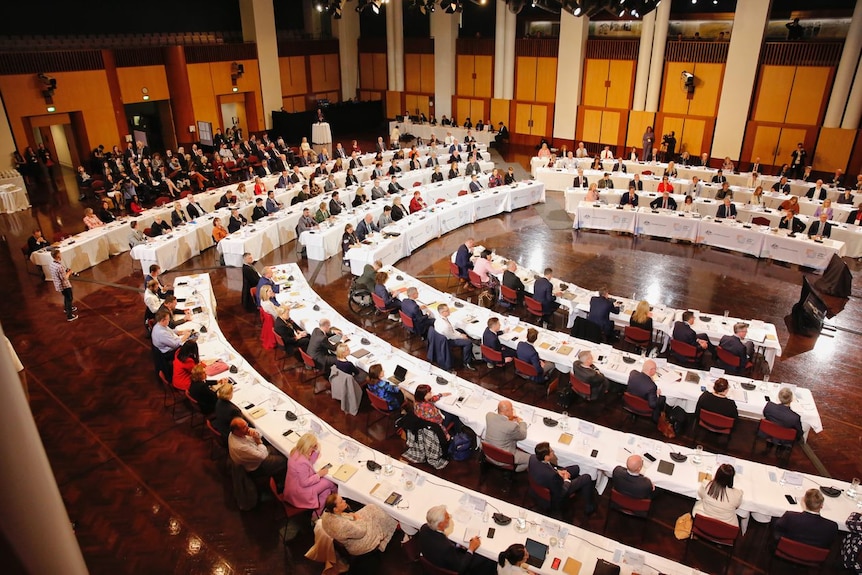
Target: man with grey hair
x,y
744,350
320,347
266,279
782,414
807,526
504,430
512,281
440,551
584,370
416,312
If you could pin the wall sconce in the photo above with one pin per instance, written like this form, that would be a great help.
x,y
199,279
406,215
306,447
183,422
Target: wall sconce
x,y
146,93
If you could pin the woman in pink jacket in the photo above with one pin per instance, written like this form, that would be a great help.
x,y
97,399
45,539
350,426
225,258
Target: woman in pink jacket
x,y
304,487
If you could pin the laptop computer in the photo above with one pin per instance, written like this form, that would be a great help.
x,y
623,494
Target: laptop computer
x,y
335,339
399,375
537,552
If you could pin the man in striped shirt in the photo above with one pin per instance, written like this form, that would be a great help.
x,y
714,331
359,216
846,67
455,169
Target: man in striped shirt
x,y
60,274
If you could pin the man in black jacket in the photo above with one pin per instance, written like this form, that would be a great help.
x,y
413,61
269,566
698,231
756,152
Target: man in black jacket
x,y
561,482
438,549
629,481
250,277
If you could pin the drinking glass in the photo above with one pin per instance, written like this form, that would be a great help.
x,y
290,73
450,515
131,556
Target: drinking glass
x,y
698,455
564,421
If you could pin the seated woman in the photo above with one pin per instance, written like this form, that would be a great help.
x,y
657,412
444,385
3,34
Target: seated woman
x,y
322,213
304,146
513,561
360,198
791,204
268,303
687,205
105,214
757,197
727,165
219,231
368,529
825,208
203,391
483,266
592,193
224,410
717,498
424,408
342,351
304,487
135,207
390,301
291,334
348,240
642,317
383,388
597,164
671,171
544,151
91,221
185,360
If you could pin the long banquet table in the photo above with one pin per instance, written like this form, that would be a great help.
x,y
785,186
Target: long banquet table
x,y
425,131
265,404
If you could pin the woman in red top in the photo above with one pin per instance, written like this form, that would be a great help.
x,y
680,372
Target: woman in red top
x,y
135,207
259,187
185,360
417,204
664,185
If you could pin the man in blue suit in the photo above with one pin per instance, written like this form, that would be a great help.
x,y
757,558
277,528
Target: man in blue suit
x,y
543,292
462,259
416,312
491,338
561,482
265,279
782,414
734,344
601,308
807,526
642,385
726,210
527,352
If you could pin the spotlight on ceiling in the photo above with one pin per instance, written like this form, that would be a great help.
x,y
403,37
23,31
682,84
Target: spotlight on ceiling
x,y
451,6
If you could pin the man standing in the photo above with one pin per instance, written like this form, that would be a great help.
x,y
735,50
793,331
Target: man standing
x,y
601,308
798,157
60,274
250,277
641,385
504,430
561,482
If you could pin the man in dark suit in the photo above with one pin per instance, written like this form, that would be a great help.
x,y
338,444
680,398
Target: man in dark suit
x,y
473,167
817,191
726,210
502,134
194,209
512,281
475,185
432,160
630,198
266,279
355,161
637,183
734,344
365,227
491,338
665,202
791,222
543,292
321,350
717,401
438,549
412,309
629,481
642,385
781,186
561,482
236,221
683,331
719,178
394,186
462,259
250,277
581,180
36,242
584,369
601,308
782,414
821,228
807,526
855,218
259,212
335,204
527,353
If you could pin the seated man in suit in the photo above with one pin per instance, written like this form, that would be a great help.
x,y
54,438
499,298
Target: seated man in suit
x,y
475,184
817,192
512,281
790,222
463,261
807,526
444,327
606,182
641,385
377,190
683,331
417,312
283,180
394,186
438,549
491,338
526,352
719,177
584,369
717,401
365,227
601,308
561,482
665,202
629,481
266,279
631,198
321,350
637,182
726,210
504,429
259,212
744,350
336,206
543,292
580,180
820,228
236,221
782,414
781,186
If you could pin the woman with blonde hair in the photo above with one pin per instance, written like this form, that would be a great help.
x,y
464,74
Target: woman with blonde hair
x,y
592,193
268,303
757,197
642,317
304,487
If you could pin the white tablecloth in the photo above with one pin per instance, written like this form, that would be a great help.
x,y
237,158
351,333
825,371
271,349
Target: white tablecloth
x,y
424,131
320,133
13,197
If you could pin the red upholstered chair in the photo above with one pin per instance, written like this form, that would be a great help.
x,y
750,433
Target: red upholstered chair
x,y
636,406
440,200
508,295
799,553
430,569
715,532
581,388
761,221
716,423
541,496
638,337
637,508
162,200
475,280
289,510
379,405
684,354
493,456
267,333
463,193
534,308
732,363
769,430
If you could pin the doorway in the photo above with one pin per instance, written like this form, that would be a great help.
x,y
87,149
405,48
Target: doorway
x,y
233,113
151,123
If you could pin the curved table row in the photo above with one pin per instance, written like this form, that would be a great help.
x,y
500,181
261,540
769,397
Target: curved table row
x,y
265,405
425,131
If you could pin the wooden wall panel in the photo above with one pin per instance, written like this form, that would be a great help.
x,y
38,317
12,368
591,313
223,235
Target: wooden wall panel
x,y
484,70
420,102
394,105
525,78
546,84
522,118
638,121
610,128
462,108
595,73
153,78
707,89
833,149
621,77
294,79
674,99
787,142
808,94
371,96
413,72
765,143
541,117
668,124
203,97
325,73
372,71
210,80
381,76
294,103
464,75
773,93
592,126
692,139
427,76
500,112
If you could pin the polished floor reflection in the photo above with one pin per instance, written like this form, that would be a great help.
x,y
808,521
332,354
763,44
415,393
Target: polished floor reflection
x,y
144,492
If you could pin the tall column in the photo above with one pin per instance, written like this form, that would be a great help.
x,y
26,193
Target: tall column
x,y
854,104
30,503
644,56
574,31
7,138
395,46
662,20
846,68
347,31
444,30
740,72
509,70
258,26
500,48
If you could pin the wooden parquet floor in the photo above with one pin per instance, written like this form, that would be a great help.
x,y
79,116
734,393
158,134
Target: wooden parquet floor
x,y
147,498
